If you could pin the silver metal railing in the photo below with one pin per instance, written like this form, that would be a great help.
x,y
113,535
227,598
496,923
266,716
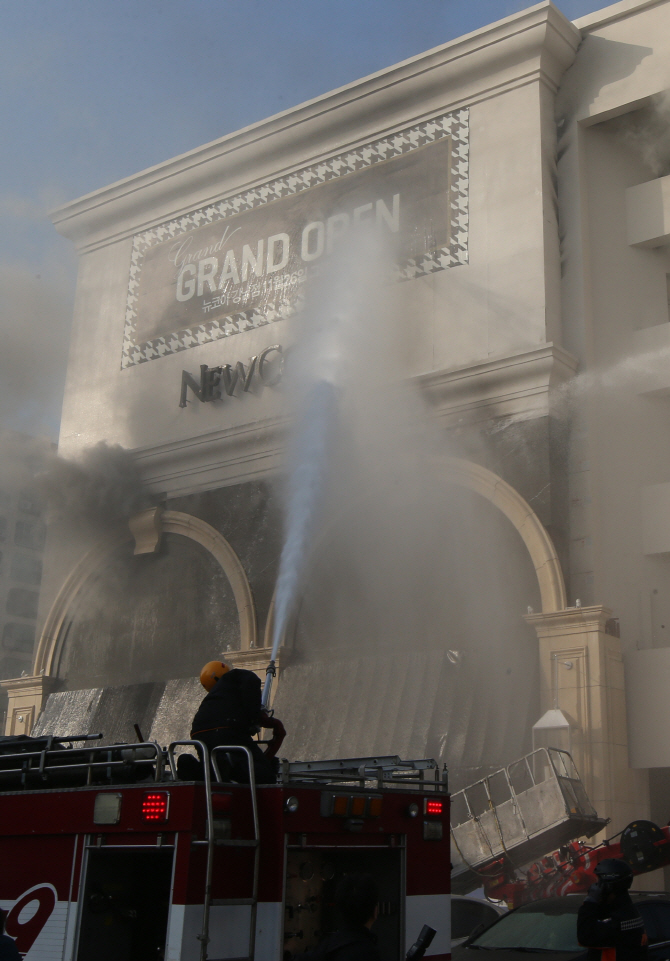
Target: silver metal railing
x,y
211,762
45,763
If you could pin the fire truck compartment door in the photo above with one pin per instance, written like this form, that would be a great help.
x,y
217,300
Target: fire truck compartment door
x,y
125,906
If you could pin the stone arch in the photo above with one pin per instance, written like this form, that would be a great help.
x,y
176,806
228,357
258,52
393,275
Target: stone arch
x,y
171,522
518,511
522,516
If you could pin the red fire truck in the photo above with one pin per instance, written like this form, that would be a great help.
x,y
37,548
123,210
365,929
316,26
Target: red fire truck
x,y
105,855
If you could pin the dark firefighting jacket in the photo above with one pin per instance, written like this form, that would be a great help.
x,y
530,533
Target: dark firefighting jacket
x,y
233,703
613,931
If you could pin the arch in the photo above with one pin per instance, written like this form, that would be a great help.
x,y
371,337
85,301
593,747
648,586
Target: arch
x,y
518,511
172,522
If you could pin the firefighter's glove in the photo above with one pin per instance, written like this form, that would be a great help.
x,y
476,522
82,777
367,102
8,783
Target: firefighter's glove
x,y
596,894
278,734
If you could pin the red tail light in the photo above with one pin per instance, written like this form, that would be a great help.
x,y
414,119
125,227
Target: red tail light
x,y
155,806
433,807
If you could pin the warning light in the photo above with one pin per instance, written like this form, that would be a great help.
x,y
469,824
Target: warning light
x,y
433,807
341,805
155,806
358,806
375,807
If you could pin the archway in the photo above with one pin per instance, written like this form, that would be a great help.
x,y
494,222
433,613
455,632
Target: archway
x,y
172,522
518,511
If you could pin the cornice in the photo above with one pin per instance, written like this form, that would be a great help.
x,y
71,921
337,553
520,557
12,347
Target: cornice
x,y
572,620
536,44
516,385
30,684
513,384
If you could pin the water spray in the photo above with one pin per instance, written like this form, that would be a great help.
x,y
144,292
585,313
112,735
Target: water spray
x,y
307,485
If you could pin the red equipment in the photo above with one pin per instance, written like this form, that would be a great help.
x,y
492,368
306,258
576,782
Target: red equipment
x,y
106,856
571,869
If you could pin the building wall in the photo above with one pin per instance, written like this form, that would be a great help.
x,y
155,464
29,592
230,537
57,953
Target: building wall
x,y
22,538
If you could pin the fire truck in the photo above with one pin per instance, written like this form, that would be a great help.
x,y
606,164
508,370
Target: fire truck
x,y
106,854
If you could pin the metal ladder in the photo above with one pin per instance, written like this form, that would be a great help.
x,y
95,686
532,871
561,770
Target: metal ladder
x,y
213,842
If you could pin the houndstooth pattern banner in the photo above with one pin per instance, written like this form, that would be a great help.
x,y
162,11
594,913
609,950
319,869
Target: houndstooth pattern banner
x,y
453,125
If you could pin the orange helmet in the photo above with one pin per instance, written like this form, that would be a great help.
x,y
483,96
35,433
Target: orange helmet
x,y
211,673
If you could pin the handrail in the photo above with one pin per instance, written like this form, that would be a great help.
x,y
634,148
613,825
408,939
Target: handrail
x,y
226,749
203,937
205,757
47,754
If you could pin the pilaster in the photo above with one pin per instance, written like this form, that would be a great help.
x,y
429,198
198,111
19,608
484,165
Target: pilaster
x,y
27,696
581,672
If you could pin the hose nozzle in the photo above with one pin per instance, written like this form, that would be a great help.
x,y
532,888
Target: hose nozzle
x,y
270,673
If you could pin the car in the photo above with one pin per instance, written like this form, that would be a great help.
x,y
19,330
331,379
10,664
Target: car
x,y
549,927
471,913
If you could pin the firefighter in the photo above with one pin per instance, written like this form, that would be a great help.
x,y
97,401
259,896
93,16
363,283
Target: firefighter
x,y
356,900
230,713
608,922
8,949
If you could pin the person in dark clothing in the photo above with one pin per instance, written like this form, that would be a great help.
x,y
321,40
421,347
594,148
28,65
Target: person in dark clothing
x,y
8,949
356,900
608,923
229,714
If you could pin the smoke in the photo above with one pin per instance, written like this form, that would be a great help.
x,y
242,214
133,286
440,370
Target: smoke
x,y
101,489
399,569
647,132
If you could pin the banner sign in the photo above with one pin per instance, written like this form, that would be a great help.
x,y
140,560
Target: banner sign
x,y
240,263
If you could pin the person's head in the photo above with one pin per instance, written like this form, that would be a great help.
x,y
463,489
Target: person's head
x,y
356,899
615,876
212,672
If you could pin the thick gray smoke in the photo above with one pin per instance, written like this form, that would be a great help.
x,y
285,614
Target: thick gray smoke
x,y
410,592
102,488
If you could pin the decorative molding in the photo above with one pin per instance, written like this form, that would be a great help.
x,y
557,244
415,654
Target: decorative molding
x,y
534,45
454,126
146,527
570,620
512,385
516,385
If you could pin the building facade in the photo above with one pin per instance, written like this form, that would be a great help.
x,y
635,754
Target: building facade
x,y
519,172
22,539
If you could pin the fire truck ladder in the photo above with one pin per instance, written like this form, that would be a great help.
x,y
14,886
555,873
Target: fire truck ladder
x,y
387,771
212,841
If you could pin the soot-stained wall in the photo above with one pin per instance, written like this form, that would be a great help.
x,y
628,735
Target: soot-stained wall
x,y
158,616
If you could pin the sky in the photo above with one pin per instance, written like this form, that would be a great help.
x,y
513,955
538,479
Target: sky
x,y
92,91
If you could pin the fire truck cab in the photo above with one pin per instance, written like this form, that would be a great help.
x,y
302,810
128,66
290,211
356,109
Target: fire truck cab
x,y
106,854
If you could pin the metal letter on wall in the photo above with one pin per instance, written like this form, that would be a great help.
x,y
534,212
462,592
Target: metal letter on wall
x,y
240,263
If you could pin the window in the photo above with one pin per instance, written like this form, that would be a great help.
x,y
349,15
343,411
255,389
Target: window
x,y
29,503
31,534
21,602
19,638
26,569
